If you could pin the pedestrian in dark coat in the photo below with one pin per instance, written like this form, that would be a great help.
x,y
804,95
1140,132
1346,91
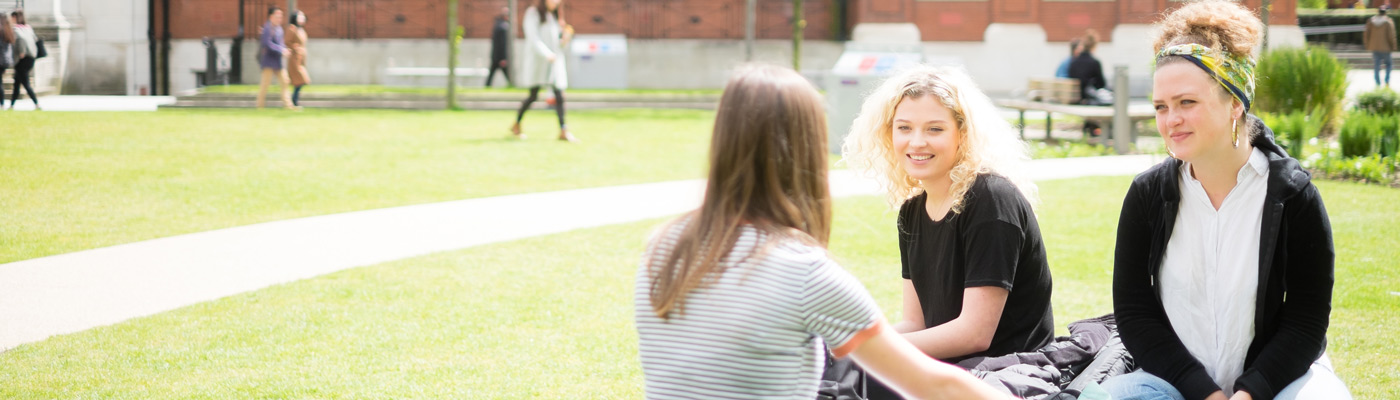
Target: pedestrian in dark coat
x,y
500,38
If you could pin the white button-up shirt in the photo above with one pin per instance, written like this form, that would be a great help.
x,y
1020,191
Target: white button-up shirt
x,y
1210,272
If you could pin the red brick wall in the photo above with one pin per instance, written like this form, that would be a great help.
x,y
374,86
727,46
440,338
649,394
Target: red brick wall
x,y
1016,11
688,19
365,19
952,21
1063,21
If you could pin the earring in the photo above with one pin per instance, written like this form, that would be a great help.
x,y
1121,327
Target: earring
x,y
1235,126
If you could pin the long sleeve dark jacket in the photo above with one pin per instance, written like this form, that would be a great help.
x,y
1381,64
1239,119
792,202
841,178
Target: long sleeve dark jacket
x,y
500,37
1295,279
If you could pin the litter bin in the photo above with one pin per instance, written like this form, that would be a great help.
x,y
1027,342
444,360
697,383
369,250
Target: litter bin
x,y
598,62
861,68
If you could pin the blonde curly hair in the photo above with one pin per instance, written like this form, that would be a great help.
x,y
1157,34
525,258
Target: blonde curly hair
x,y
988,142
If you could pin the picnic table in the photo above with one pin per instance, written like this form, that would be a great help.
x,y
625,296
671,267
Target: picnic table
x,y
1103,115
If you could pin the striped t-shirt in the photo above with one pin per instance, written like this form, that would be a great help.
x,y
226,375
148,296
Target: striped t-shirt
x,y
755,330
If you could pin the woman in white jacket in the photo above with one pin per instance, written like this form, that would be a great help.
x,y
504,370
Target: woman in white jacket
x,y
545,37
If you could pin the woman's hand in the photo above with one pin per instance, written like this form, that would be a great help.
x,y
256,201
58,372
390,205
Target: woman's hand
x,y
1242,395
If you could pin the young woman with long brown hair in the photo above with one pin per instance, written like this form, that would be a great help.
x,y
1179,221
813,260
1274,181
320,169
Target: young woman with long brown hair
x,y
735,299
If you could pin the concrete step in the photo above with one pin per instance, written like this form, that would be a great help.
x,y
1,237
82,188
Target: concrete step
x,y
487,96
430,104
471,101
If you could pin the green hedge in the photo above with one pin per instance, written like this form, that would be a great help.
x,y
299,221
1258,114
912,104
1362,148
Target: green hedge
x,y
1302,80
1381,101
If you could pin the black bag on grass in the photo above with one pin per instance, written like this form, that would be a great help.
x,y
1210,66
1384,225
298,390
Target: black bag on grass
x,y
842,380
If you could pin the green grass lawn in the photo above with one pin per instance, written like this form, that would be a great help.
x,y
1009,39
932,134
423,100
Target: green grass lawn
x,y
511,321
75,181
369,90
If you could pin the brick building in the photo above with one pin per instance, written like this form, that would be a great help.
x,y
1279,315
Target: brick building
x,y
672,43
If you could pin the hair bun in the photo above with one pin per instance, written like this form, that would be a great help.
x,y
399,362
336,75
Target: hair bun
x,y
1222,25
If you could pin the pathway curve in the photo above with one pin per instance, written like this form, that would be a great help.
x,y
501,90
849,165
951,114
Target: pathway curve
x,y
72,292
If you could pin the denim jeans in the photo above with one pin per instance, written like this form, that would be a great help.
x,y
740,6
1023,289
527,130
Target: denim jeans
x,y
1318,383
1381,57
1140,385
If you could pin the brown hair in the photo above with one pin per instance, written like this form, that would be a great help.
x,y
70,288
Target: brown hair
x,y
1224,26
19,17
7,31
1091,40
1221,25
768,167
542,7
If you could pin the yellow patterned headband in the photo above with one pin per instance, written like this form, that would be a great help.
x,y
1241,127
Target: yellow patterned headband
x,y
1236,74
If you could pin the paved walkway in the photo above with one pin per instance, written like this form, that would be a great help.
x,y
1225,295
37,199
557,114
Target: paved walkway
x,y
77,291
96,103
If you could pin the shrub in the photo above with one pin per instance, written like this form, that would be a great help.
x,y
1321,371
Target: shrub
x,y
1307,80
1292,130
1389,141
1066,149
1313,4
1358,135
1381,101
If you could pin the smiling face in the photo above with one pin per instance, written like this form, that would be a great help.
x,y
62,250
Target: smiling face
x,y
1193,113
926,138
275,17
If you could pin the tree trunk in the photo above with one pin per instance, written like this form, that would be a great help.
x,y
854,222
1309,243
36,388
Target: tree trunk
x,y
454,40
798,23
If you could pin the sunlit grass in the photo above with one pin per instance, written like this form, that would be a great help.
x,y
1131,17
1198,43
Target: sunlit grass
x,y
75,181
551,317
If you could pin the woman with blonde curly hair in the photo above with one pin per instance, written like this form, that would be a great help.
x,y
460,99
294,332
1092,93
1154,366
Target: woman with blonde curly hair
x,y
1222,281
976,282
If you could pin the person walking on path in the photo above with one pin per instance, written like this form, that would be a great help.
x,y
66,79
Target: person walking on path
x,y
270,53
500,38
737,299
296,58
1223,268
25,51
1380,40
545,37
7,48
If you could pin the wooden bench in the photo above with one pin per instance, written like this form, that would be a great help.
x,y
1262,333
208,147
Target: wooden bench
x,y
1103,115
1053,90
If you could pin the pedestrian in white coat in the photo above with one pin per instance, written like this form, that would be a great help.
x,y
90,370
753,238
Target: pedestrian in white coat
x,y
543,61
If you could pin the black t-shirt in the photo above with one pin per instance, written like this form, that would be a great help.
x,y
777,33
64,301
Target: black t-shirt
x,y
994,241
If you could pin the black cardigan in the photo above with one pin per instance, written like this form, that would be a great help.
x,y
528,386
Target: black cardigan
x,y
1295,259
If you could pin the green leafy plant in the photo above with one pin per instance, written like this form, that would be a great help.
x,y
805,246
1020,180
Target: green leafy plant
x,y
1313,4
1381,101
1066,149
1389,141
1358,135
1302,79
1293,130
